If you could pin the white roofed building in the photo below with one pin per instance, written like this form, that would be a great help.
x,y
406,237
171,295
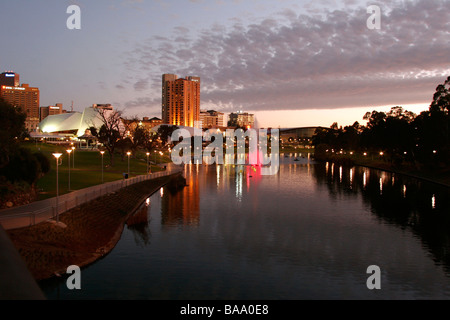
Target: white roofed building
x,y
75,124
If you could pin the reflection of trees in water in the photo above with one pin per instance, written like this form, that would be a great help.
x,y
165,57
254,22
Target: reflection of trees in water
x,y
413,204
138,223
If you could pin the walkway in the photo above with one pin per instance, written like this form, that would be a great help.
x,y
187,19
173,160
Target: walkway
x,y
39,211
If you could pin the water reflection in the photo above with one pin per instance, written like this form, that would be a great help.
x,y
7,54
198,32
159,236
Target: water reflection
x,y
182,207
408,203
138,223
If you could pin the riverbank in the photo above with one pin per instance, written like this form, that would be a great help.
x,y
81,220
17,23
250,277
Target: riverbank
x,y
439,176
435,175
92,230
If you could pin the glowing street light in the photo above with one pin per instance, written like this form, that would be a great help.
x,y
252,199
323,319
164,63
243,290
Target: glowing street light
x,y
57,155
381,153
73,158
68,153
128,154
102,153
161,154
148,153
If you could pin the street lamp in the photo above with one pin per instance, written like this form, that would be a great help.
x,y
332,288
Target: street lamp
x,y
148,153
102,153
57,155
161,154
128,154
68,153
73,158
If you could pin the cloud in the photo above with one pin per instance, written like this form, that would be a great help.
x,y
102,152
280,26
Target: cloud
x,y
299,61
141,85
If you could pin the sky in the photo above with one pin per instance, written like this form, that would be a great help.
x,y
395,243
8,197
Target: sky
x,y
291,62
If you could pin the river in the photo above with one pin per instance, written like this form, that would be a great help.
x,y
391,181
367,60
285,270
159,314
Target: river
x,y
309,232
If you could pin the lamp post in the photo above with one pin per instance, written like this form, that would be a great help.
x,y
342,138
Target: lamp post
x,y
128,154
68,153
148,153
102,153
57,155
161,154
73,158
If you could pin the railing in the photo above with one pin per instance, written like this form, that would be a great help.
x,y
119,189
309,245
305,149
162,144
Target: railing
x,y
39,211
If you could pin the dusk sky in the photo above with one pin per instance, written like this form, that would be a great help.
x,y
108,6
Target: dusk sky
x,y
291,62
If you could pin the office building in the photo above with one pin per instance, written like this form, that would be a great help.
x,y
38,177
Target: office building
x,y
50,111
24,97
211,119
180,100
10,79
146,123
241,119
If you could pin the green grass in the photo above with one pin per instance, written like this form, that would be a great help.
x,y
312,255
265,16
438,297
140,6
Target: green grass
x,y
87,171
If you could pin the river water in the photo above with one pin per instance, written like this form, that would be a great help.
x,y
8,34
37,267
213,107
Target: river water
x,y
309,232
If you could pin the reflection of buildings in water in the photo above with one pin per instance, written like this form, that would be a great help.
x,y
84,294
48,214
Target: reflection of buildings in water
x,y
182,207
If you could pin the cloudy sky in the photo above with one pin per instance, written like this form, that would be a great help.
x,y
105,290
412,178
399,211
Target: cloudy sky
x,y
291,62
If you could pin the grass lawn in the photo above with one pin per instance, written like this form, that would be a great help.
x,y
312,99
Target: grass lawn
x,y
87,170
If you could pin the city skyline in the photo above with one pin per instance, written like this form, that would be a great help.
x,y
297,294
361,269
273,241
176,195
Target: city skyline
x,y
291,63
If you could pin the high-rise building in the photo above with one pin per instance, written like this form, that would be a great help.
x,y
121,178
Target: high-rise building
x,y
241,119
9,78
24,97
180,100
51,110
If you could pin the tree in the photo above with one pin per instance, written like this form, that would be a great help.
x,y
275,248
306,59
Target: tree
x,y
12,128
110,132
432,127
22,167
441,98
350,136
164,132
391,132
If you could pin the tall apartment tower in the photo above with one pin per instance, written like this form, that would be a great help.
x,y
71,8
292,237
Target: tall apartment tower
x,y
180,100
24,97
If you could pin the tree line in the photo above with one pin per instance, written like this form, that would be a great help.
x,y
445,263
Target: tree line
x,y
400,136
19,167
119,136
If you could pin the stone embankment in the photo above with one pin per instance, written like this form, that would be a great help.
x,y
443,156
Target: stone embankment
x,y
92,230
